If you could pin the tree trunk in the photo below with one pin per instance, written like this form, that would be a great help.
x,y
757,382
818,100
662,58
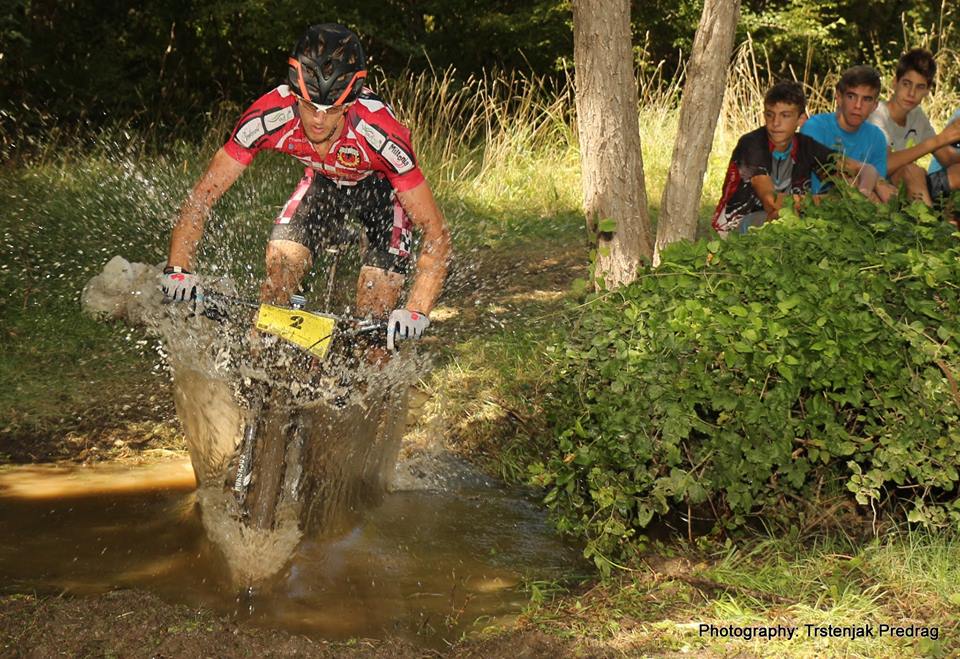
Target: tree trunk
x,y
611,162
702,97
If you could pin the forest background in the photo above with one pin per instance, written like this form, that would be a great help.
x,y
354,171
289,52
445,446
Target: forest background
x,y
166,62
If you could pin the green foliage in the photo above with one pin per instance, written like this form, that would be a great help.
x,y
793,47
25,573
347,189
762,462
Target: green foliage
x,y
163,64
740,376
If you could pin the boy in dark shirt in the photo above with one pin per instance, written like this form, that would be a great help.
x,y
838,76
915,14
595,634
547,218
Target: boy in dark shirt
x,y
774,161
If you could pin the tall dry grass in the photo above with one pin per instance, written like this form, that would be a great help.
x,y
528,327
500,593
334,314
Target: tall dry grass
x,y
505,144
505,139
497,148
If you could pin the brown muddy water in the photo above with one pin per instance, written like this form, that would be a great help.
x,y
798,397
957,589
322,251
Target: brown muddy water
x,y
425,566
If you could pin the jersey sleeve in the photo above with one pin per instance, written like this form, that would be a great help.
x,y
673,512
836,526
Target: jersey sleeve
x,y
400,162
752,155
737,197
260,126
389,142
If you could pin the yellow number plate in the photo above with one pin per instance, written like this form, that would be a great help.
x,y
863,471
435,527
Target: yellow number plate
x,y
310,332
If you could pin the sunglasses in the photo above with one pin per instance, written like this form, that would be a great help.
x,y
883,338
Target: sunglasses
x,y
304,95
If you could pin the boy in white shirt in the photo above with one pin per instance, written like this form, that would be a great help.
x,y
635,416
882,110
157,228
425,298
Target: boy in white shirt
x,y
910,135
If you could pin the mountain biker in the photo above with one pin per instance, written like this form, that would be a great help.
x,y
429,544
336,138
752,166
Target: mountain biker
x,y
359,160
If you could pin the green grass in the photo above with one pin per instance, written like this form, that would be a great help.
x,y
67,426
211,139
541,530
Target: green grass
x,y
904,579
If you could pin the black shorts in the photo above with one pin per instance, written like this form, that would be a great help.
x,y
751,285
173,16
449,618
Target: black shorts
x,y
938,183
320,209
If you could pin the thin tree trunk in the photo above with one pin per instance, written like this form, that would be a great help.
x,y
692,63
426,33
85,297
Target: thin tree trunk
x,y
611,162
699,110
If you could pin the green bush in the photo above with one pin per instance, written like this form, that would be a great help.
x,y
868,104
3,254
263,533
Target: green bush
x,y
743,376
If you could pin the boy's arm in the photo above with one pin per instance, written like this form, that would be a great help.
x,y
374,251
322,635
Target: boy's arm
x,y
762,185
939,145
948,155
868,180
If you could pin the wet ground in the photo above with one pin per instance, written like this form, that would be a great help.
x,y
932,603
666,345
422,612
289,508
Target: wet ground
x,y
423,568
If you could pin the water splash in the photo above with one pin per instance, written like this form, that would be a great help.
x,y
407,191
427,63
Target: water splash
x,y
327,435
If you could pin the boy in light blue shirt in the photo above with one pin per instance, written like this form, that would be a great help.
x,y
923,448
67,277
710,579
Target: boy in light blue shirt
x,y
945,168
847,130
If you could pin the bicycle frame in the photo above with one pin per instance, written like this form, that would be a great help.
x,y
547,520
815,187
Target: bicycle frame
x,y
312,332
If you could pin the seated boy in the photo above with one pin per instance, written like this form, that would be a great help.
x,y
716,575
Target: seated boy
x,y
774,161
910,136
943,174
847,130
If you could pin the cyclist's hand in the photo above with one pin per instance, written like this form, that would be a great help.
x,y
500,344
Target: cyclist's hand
x,y
178,284
404,324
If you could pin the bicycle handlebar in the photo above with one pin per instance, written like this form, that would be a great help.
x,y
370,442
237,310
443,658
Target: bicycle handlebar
x,y
362,325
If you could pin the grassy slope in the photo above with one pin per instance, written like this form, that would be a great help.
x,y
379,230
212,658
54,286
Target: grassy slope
x,y
512,198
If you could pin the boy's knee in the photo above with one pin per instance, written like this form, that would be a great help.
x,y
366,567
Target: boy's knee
x,y
953,176
287,263
913,175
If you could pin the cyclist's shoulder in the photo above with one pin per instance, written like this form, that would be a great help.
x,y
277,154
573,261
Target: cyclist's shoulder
x,y
374,111
279,99
266,119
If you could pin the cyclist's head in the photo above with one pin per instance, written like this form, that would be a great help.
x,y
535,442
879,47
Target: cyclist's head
x,y
327,65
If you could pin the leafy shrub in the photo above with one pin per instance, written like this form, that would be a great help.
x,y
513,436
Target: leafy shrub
x,y
743,375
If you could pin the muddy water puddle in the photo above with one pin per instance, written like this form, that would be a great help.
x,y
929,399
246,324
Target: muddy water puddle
x,y
425,566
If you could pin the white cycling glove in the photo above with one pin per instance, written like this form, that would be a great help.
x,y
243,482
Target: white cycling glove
x,y
404,324
178,284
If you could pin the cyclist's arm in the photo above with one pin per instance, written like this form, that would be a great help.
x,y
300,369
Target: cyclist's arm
x,y
220,175
434,254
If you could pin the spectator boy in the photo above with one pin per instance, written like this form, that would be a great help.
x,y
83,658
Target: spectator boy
x,y
910,136
847,130
943,174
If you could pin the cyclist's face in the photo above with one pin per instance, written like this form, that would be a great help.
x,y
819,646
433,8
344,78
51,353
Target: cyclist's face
x,y
320,126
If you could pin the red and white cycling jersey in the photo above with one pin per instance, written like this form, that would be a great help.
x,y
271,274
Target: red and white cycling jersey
x,y
372,141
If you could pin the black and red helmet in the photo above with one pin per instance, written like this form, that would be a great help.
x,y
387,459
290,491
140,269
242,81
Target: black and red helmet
x,y
327,65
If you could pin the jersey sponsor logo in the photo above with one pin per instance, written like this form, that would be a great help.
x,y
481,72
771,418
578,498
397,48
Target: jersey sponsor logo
x,y
348,156
375,137
249,133
398,157
274,120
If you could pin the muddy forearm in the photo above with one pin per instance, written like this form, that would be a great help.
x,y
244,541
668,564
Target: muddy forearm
x,y
221,173
187,233
431,271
